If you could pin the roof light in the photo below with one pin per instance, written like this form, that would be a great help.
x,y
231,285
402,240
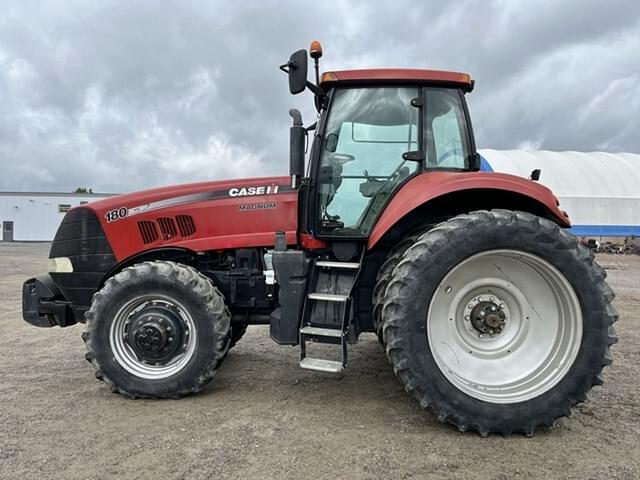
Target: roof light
x,y
315,50
329,77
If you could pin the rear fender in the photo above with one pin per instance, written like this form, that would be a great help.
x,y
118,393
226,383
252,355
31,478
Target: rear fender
x,y
438,195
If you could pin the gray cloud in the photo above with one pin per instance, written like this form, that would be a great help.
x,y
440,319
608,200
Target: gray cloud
x,y
125,95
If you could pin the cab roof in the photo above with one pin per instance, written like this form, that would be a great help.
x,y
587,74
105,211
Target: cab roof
x,y
396,75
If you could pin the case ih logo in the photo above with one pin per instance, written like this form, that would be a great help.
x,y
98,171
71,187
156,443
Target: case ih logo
x,y
249,191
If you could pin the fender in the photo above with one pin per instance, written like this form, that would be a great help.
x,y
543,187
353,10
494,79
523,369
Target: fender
x,y
427,187
162,253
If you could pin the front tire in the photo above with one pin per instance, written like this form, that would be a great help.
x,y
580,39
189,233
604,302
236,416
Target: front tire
x,y
157,330
237,332
498,321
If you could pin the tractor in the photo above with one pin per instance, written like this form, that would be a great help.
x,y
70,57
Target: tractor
x,y
492,314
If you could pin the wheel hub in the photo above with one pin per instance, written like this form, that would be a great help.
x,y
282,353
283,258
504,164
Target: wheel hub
x,y
155,333
488,316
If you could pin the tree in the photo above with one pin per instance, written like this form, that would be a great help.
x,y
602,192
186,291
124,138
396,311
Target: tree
x,y
83,190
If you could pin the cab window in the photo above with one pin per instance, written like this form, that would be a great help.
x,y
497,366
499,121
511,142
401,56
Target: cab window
x,y
361,164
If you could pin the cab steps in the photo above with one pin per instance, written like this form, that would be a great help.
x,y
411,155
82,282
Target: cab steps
x,y
327,312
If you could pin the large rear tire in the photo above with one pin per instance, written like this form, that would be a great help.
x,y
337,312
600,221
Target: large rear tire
x,y
498,321
157,330
382,282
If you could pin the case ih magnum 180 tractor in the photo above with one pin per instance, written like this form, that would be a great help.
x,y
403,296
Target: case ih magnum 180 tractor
x,y
492,314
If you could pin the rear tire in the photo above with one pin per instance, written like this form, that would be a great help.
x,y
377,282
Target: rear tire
x,y
384,276
157,330
382,281
498,321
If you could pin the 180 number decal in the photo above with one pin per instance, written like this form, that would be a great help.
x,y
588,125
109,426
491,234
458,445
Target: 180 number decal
x,y
116,214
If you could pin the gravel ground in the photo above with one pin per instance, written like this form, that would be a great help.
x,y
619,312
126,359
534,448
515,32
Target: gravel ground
x,y
263,417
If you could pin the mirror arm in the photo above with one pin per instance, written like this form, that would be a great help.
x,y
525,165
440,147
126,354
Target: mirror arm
x,y
321,95
316,89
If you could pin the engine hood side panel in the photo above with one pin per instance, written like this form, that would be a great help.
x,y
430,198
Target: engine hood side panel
x,y
201,216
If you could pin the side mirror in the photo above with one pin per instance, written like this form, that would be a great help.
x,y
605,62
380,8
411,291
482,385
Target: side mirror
x,y
297,137
296,68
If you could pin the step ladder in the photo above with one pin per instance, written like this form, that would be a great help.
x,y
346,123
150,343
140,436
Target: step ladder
x,y
331,287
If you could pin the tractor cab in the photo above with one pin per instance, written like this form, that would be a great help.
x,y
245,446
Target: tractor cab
x,y
377,130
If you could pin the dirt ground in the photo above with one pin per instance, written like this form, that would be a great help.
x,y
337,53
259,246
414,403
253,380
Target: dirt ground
x,y
263,417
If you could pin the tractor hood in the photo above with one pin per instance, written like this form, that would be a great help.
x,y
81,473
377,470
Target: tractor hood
x,y
171,195
200,216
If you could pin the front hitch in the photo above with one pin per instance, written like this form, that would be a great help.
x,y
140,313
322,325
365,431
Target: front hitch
x,y
43,305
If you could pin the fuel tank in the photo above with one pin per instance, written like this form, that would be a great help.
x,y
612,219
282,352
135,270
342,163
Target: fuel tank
x,y
203,216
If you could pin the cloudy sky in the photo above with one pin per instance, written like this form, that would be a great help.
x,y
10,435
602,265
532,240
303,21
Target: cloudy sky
x,y
121,95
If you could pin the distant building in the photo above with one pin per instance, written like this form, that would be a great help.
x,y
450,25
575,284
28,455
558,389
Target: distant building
x,y
600,191
35,216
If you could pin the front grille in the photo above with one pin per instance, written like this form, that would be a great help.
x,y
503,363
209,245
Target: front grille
x,y
148,231
81,238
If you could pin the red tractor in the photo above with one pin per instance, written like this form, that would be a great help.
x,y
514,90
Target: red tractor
x,y
492,314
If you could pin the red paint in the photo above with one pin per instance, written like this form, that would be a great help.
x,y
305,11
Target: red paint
x,y
330,79
429,186
311,243
219,222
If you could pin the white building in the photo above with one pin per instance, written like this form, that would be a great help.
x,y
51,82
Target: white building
x,y
600,191
35,216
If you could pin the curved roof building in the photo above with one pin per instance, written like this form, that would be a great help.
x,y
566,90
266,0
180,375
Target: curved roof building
x,y
600,191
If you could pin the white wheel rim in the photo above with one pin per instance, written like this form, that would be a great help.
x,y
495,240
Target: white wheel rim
x,y
528,354
126,356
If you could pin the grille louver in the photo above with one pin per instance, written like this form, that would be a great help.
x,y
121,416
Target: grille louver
x,y
170,228
167,228
148,231
186,225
